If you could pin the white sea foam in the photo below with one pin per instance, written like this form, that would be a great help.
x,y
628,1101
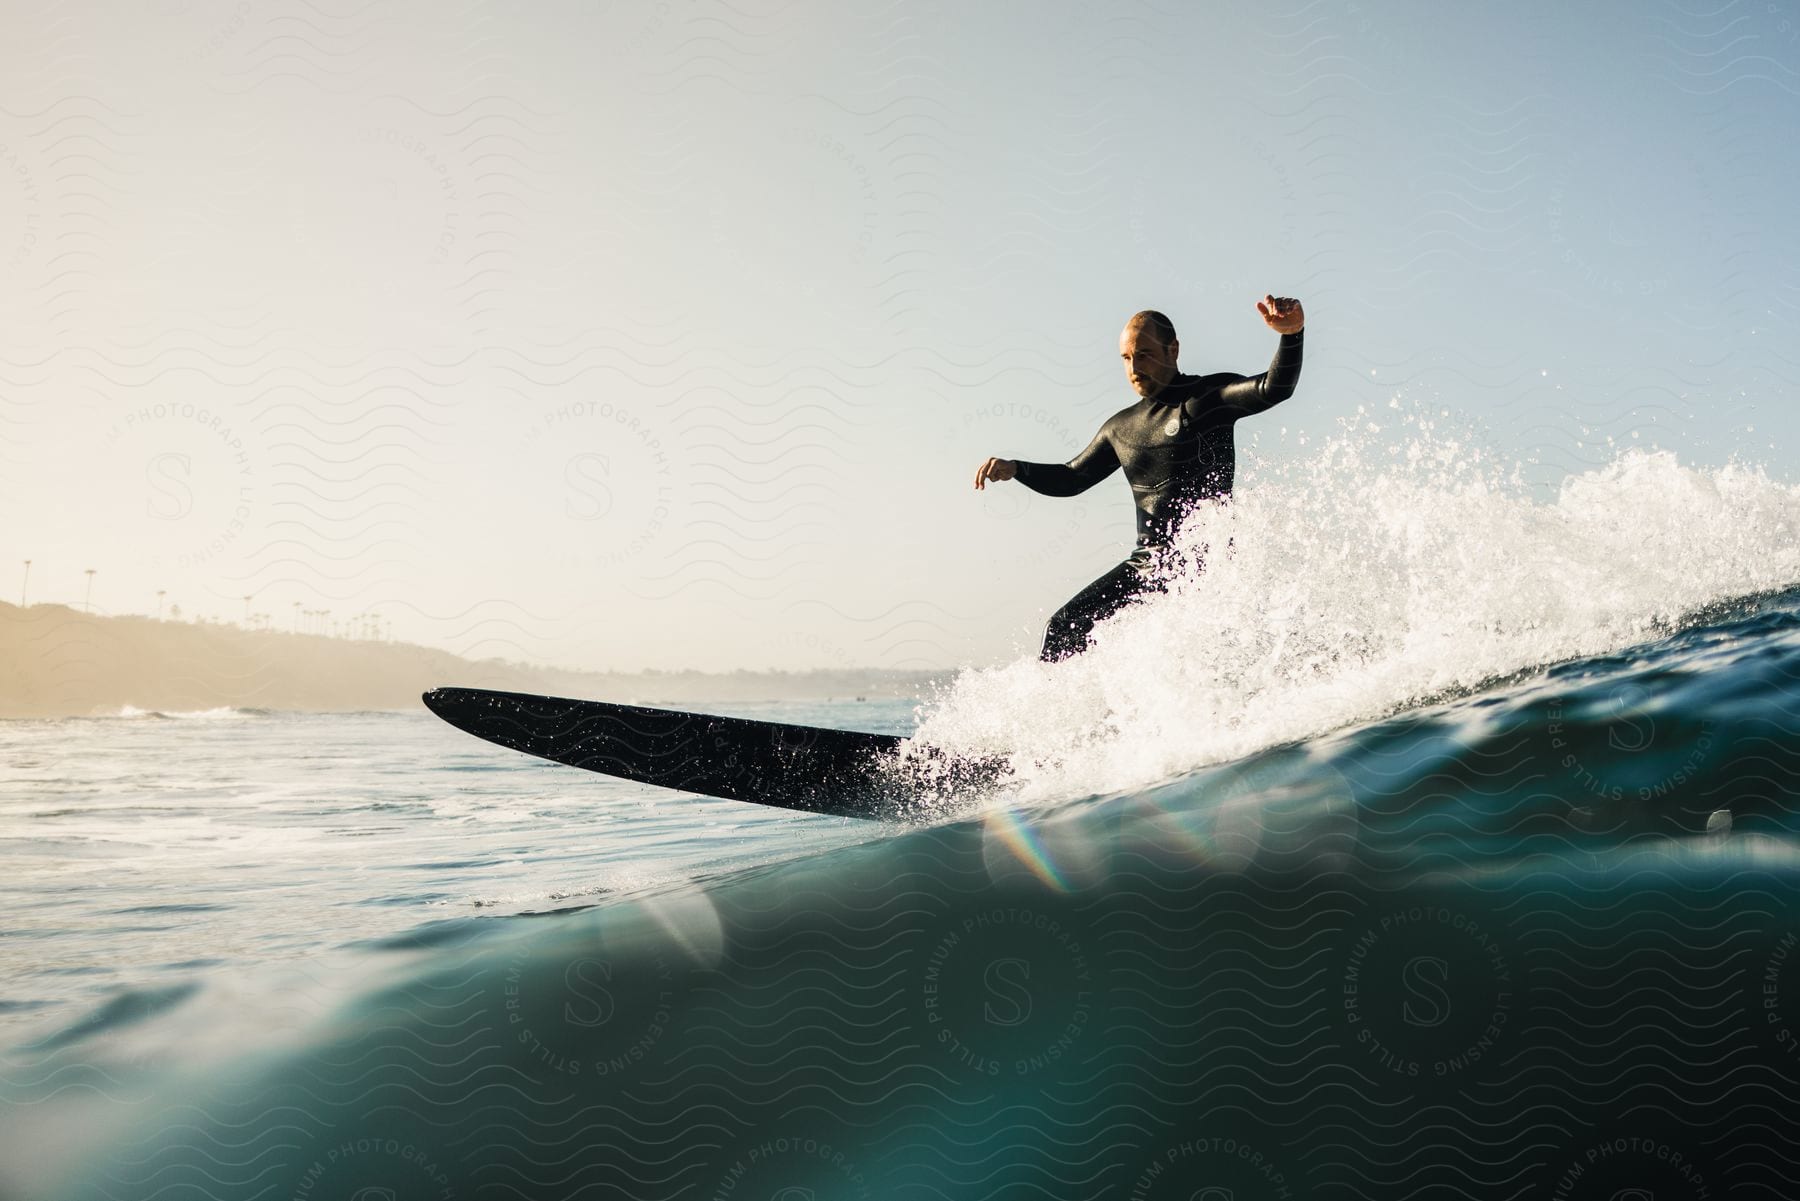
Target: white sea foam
x,y
1366,577
220,713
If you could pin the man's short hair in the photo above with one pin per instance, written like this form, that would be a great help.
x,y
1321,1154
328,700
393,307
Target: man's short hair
x,y
1156,323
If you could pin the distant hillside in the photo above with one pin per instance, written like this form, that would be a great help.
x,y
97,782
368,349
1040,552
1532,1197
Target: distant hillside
x,y
58,662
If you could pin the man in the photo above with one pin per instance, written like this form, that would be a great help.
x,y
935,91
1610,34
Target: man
x,y
1175,445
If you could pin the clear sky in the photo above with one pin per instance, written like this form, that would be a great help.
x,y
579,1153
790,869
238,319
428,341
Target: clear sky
x,y
670,334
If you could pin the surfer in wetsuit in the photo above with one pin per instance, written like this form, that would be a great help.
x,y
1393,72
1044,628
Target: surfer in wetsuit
x,y
1175,445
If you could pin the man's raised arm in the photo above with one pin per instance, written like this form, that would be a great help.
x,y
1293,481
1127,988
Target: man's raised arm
x,y
1254,393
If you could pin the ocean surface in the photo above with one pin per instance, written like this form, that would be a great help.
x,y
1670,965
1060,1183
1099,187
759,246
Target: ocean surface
x,y
1442,846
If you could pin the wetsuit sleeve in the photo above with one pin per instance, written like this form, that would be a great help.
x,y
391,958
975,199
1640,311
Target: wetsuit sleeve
x,y
1076,476
1254,393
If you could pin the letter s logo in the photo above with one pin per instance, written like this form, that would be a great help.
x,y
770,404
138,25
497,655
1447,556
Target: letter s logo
x,y
589,495
170,497
1007,982
794,1193
1629,732
592,1004
1212,1193
1425,977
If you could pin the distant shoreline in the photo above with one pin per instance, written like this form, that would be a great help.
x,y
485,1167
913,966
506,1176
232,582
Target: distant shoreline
x,y
60,662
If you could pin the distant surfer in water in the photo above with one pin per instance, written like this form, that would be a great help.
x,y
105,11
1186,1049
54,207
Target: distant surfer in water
x,y
1175,445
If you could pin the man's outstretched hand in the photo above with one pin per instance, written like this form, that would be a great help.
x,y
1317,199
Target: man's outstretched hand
x,y
1282,314
994,469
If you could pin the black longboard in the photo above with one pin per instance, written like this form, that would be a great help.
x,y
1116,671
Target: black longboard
x,y
845,773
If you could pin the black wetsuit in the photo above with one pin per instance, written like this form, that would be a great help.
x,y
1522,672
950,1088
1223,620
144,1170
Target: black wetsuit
x,y
1177,449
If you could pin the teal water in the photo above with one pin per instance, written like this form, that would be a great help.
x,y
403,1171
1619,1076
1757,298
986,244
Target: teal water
x,y
139,849
1534,939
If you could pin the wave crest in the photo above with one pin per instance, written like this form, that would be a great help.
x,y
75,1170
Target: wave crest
x,y
1366,578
